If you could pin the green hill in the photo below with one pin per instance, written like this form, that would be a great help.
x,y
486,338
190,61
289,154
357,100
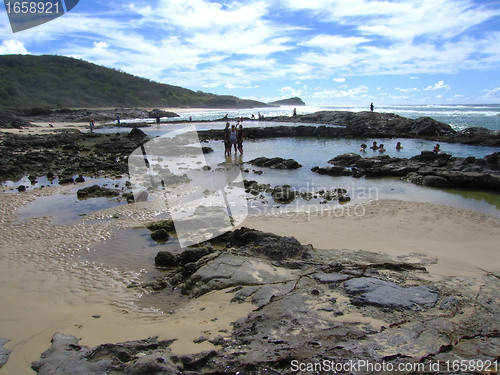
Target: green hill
x,y
291,101
48,81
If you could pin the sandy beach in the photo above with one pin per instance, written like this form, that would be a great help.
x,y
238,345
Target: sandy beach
x,y
47,127
47,289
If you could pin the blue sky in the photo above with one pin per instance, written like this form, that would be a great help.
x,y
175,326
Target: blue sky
x,y
327,52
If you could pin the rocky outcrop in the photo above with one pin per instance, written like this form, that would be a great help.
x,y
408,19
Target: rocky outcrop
x,y
66,153
343,124
325,306
96,191
428,168
372,291
9,120
275,163
168,259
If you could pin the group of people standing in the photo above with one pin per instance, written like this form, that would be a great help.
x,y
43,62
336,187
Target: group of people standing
x,y
233,137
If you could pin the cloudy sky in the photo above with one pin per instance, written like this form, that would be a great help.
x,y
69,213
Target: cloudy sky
x,y
327,52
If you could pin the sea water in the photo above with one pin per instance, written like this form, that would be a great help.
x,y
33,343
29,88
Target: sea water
x,y
458,116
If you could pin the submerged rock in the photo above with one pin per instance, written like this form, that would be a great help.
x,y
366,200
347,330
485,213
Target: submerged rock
x,y
428,169
96,191
283,194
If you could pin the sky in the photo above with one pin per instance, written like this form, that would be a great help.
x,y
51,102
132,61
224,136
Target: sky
x,y
327,52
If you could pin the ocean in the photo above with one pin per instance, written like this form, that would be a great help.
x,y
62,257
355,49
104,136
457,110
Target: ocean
x,y
458,116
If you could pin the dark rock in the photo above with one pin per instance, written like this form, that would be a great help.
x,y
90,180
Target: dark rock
x,y
493,160
80,179
4,353
436,181
66,356
371,291
160,235
168,225
21,188
283,194
275,163
345,159
268,244
66,180
169,260
96,191
159,113
207,150
332,171
136,133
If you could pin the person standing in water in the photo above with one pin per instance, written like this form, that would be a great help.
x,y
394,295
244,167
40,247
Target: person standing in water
x,y
227,145
233,139
239,138
92,125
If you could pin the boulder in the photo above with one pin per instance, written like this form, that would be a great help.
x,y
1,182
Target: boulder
x,y
160,235
169,260
284,194
96,191
275,163
345,159
136,133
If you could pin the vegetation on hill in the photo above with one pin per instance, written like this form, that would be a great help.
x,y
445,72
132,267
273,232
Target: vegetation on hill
x,y
49,81
291,101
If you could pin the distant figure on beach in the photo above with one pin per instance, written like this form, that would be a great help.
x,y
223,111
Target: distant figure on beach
x,y
92,125
117,119
158,120
51,126
437,149
294,112
374,146
239,138
227,145
381,148
259,115
253,116
371,107
399,146
190,118
363,147
233,139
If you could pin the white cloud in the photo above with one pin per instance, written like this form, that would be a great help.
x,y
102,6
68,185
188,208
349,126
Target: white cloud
x,y
338,80
12,47
492,94
334,42
355,92
101,45
437,86
411,89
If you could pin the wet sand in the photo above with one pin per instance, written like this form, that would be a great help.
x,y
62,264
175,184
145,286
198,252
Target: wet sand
x,y
46,288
